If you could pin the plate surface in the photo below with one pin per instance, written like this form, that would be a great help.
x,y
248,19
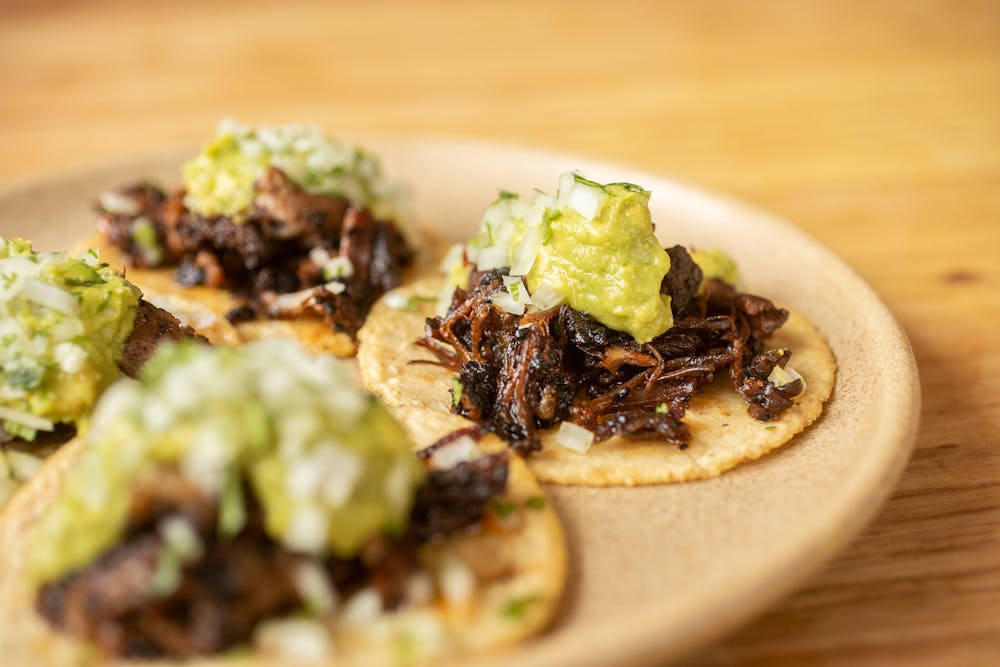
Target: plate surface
x,y
655,571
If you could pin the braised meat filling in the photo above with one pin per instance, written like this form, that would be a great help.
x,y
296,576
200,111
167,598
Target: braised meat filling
x,y
153,327
275,254
519,374
125,605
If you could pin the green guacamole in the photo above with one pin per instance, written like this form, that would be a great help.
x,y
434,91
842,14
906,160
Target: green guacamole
x,y
592,245
610,266
63,327
716,264
328,465
221,179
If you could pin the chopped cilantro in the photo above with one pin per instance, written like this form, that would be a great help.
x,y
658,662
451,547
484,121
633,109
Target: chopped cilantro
x,y
232,512
506,194
456,391
516,608
504,509
548,218
632,187
535,502
662,409
586,181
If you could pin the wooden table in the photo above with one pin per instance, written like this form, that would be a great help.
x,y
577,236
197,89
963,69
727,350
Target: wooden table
x,y
875,126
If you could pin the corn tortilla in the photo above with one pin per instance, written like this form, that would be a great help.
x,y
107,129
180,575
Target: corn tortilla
x,y
723,434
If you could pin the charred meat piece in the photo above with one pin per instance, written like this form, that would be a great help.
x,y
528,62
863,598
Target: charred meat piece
x,y
153,326
266,251
520,374
457,497
682,281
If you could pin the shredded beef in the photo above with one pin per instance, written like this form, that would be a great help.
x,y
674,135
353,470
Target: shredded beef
x,y
153,327
682,281
455,498
264,251
521,374
239,581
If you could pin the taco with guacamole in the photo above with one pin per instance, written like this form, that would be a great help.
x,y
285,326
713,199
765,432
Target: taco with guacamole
x,y
251,502
69,327
564,327
278,229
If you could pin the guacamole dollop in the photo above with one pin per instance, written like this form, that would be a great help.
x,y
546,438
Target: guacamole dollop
x,y
592,246
220,180
63,324
329,466
714,263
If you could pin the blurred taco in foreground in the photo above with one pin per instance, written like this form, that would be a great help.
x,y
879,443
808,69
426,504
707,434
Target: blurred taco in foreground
x,y
565,328
69,327
251,502
280,230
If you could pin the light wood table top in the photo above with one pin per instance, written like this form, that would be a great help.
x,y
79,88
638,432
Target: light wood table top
x,y
874,126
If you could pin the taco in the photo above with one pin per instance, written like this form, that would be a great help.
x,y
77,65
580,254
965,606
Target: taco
x,y
250,501
280,230
565,328
69,327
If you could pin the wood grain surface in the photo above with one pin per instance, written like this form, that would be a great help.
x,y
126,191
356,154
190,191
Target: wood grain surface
x,y
874,126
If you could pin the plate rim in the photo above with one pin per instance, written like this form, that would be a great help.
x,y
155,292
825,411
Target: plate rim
x,y
859,498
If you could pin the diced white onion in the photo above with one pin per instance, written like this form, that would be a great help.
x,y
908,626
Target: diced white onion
x,y
337,267
295,639
456,580
779,376
293,300
69,356
514,299
493,257
335,287
566,183
362,608
50,296
25,419
307,530
574,437
342,470
118,204
545,296
586,200
455,452
526,251
181,537
397,300
453,257
313,583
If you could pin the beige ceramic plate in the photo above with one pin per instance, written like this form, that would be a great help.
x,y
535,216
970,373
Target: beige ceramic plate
x,y
654,571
